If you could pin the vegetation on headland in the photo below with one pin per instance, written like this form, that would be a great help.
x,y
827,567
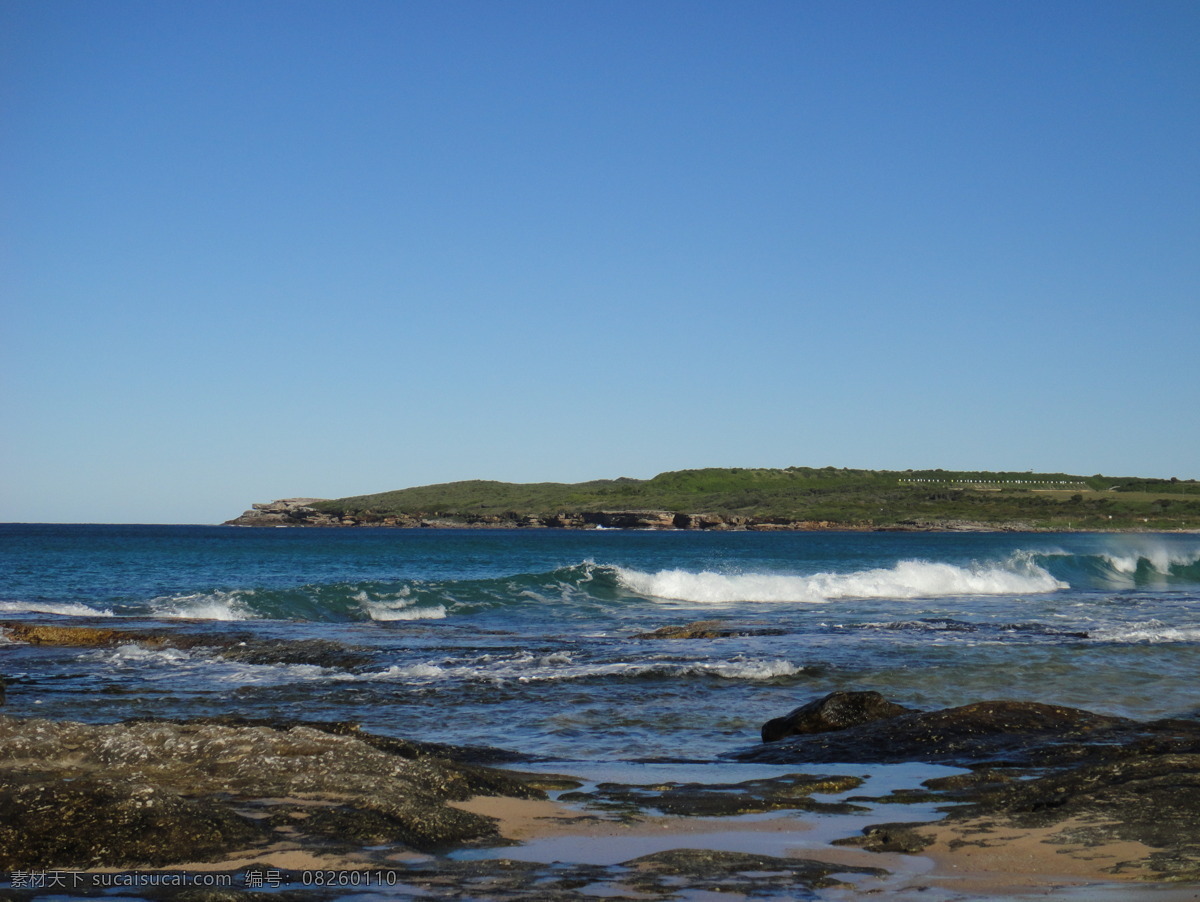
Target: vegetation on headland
x,y
828,498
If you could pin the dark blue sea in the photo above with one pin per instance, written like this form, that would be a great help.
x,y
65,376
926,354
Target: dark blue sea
x,y
529,639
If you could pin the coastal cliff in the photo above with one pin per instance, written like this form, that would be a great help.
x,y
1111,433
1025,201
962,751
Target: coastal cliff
x,y
300,512
795,498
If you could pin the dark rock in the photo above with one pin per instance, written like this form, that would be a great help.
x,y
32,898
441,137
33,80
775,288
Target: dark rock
x,y
835,711
969,782
160,792
1088,779
92,822
235,647
1002,732
704,629
82,636
787,792
318,652
1148,798
405,748
1154,799
889,838
735,872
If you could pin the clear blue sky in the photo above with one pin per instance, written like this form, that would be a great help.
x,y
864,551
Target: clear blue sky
x,y
256,250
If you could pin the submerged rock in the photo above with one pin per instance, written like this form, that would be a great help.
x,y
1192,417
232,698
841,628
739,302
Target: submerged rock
x,y
88,636
835,711
156,793
242,647
316,652
889,838
705,629
735,872
786,792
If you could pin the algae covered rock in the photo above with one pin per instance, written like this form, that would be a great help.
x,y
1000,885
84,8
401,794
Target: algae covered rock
x,y
1013,733
80,795
835,711
93,821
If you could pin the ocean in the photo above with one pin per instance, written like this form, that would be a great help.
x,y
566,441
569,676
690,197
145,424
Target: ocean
x,y
534,640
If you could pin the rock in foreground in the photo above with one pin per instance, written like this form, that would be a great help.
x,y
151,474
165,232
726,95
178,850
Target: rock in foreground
x,y
1085,779
1011,733
154,794
836,711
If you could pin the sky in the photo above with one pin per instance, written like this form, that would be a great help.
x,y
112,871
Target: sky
x,y
261,250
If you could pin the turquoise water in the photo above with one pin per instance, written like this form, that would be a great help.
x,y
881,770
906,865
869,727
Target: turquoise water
x,y
527,639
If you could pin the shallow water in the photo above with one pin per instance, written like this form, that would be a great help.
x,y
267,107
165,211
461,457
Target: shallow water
x,y
527,639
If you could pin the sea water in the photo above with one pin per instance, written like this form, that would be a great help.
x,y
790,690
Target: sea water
x,y
532,640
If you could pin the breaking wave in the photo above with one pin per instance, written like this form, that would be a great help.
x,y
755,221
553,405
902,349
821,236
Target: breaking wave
x,y
585,588
906,579
204,606
66,609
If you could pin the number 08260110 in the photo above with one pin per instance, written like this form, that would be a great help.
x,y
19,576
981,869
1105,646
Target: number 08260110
x,y
349,878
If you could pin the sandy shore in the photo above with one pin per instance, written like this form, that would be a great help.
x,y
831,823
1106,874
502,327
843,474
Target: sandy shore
x,y
968,859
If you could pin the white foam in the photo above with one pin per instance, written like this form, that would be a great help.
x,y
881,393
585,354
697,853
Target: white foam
x,y
560,667
437,612
133,654
202,606
48,607
383,611
1160,558
749,670
906,579
1152,632
200,666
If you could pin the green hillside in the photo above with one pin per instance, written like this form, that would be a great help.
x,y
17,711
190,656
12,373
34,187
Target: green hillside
x,y
859,498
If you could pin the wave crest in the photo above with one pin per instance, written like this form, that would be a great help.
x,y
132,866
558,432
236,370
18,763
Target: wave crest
x,y
906,579
65,609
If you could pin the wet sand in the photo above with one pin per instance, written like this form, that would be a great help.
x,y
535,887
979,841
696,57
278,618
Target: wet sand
x,y
967,860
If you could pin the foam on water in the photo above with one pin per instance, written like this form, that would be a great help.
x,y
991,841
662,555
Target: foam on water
x,y
383,613
203,606
399,606
66,609
905,579
1152,632
1158,556
201,666
561,666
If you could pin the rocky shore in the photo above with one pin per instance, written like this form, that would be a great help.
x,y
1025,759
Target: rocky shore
x,y
1065,790
1084,780
299,512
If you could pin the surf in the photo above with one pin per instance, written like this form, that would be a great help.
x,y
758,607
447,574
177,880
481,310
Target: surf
x,y
903,580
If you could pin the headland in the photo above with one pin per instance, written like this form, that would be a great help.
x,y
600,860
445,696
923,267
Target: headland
x,y
795,498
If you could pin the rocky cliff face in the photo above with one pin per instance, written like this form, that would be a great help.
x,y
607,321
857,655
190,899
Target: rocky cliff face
x,y
284,512
299,512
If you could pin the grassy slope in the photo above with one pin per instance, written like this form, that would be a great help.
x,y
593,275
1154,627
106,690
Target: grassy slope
x,y
877,497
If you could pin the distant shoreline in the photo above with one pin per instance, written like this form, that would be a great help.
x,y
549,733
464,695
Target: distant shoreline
x,y
594,521
792,499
